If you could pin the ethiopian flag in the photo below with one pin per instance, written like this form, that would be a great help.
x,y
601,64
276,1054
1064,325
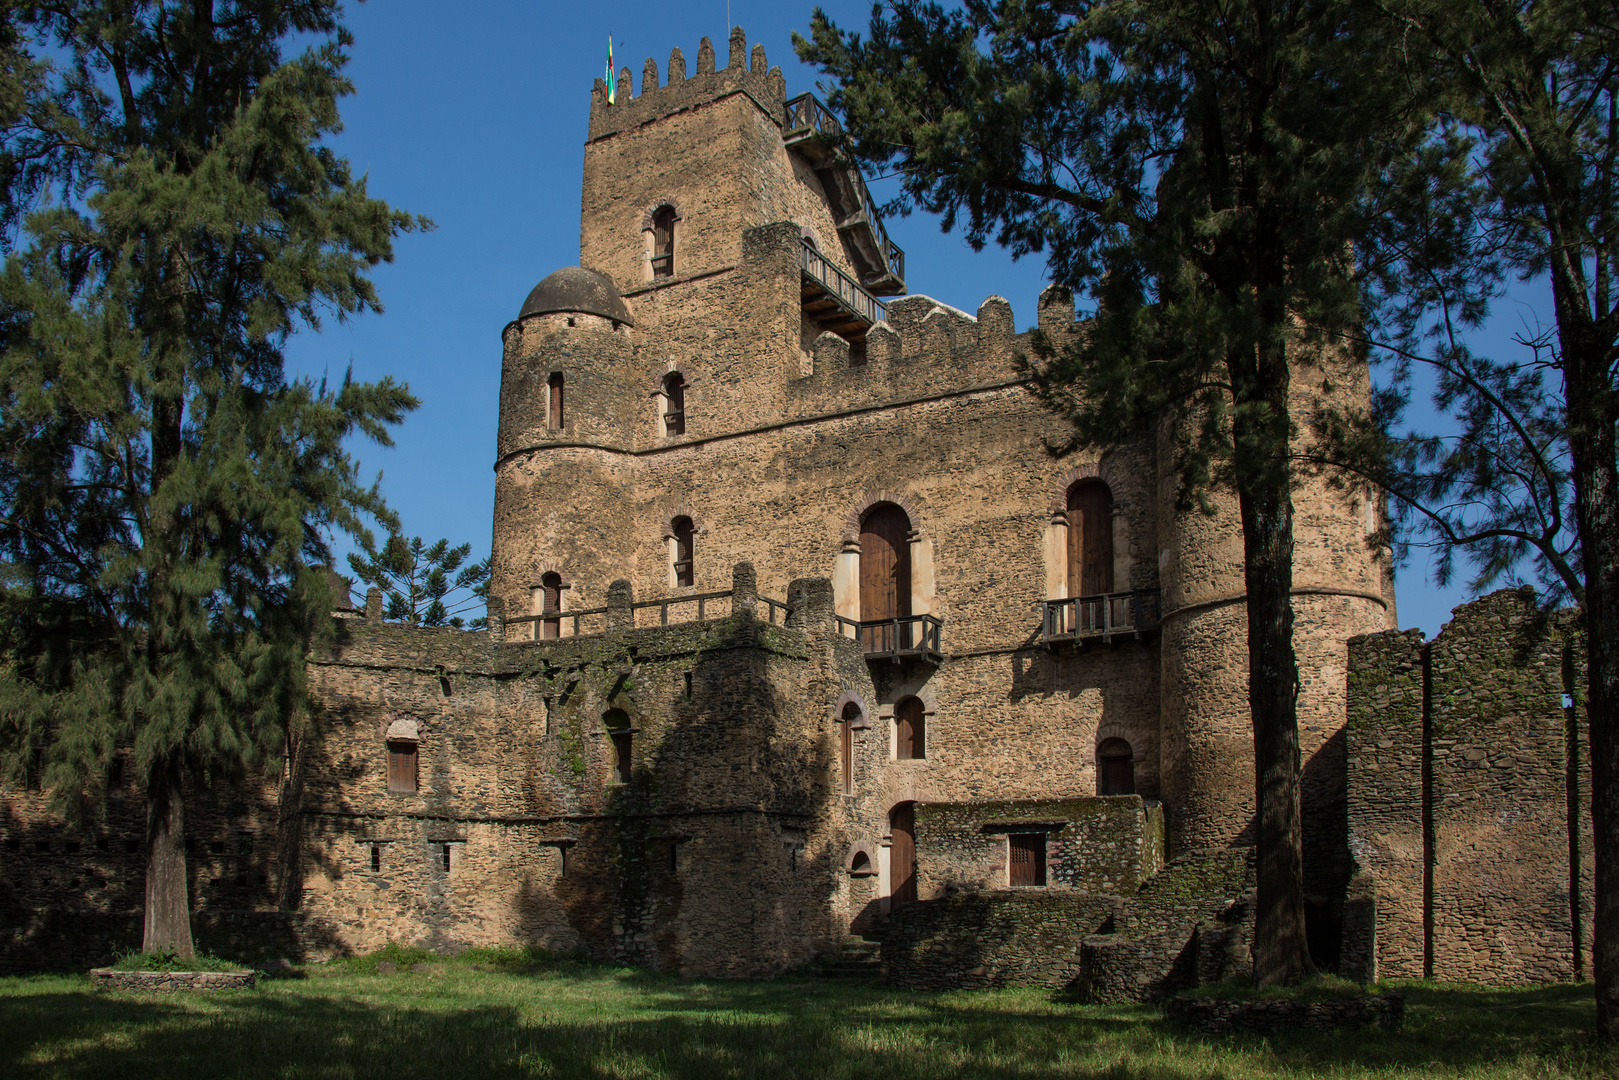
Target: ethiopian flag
x,y
612,76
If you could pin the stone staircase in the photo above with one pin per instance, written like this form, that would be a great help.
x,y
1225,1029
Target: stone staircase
x,y
856,958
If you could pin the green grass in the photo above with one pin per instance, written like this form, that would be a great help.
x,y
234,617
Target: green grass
x,y
135,960
1316,988
507,1013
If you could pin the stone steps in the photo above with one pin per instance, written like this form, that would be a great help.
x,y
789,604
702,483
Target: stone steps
x,y
856,958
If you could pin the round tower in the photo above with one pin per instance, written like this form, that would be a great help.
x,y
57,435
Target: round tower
x,y
569,406
1342,586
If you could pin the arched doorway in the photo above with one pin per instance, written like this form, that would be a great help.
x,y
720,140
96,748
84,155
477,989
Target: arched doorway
x,y
885,578
902,852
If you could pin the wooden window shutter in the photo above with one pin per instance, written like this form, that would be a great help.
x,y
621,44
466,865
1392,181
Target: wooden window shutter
x,y
402,767
1116,771
674,393
909,724
685,551
551,601
663,242
553,418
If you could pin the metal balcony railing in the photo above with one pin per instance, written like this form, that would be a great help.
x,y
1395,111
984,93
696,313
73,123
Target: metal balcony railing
x,y
896,638
1101,617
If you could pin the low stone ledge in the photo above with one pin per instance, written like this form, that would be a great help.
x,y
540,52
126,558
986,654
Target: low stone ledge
x,y
167,982
1219,1017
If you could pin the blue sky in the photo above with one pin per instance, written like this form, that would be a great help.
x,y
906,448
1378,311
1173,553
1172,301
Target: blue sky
x,y
477,120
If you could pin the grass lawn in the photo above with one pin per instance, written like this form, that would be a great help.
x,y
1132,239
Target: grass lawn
x,y
489,1015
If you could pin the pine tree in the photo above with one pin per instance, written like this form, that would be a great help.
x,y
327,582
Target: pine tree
x,y
166,491
416,579
1519,179
1201,171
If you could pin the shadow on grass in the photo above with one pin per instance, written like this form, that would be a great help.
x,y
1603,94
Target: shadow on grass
x,y
574,1021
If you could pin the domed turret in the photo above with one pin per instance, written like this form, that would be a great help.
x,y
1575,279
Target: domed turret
x,y
574,289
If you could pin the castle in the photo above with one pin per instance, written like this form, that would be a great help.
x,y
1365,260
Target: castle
x,y
797,627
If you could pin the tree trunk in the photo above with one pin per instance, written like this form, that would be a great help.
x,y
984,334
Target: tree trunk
x,y
1281,952
168,914
1595,473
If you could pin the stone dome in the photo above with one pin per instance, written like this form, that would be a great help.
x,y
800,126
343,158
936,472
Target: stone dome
x,y
575,289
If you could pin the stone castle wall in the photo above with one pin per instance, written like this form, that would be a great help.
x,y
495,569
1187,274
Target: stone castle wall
x,y
1468,812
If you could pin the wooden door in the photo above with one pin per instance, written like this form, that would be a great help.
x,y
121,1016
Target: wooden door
x,y
885,574
1090,540
1027,855
902,852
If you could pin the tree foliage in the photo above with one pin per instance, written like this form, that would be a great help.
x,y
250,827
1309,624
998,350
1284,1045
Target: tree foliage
x,y
1518,180
426,585
1202,171
166,491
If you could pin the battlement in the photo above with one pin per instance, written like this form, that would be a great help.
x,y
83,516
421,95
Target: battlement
x,y
767,87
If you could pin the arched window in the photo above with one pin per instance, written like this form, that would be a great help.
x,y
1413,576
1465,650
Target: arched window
x,y
684,551
1090,539
910,729
851,714
550,602
674,404
553,402
617,723
663,242
1115,768
902,851
860,865
885,578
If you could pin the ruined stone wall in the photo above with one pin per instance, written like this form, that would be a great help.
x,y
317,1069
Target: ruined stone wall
x,y
1462,753
71,892
1105,845
1386,754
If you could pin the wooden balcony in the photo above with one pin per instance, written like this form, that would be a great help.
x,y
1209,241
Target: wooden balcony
x,y
1103,618
834,300
814,131
906,637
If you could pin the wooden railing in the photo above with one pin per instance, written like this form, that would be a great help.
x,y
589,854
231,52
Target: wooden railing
x,y
806,115
906,635
1102,616
587,621
841,287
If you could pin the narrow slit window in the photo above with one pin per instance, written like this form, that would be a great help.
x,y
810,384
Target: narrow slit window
x,y
402,767
663,242
685,551
617,722
851,713
376,859
553,410
1027,858
444,853
674,404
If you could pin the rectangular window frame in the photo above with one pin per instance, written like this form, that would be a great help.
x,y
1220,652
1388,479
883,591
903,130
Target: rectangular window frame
x,y
1029,871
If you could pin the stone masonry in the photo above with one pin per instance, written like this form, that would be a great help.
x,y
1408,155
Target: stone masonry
x,y
1468,813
